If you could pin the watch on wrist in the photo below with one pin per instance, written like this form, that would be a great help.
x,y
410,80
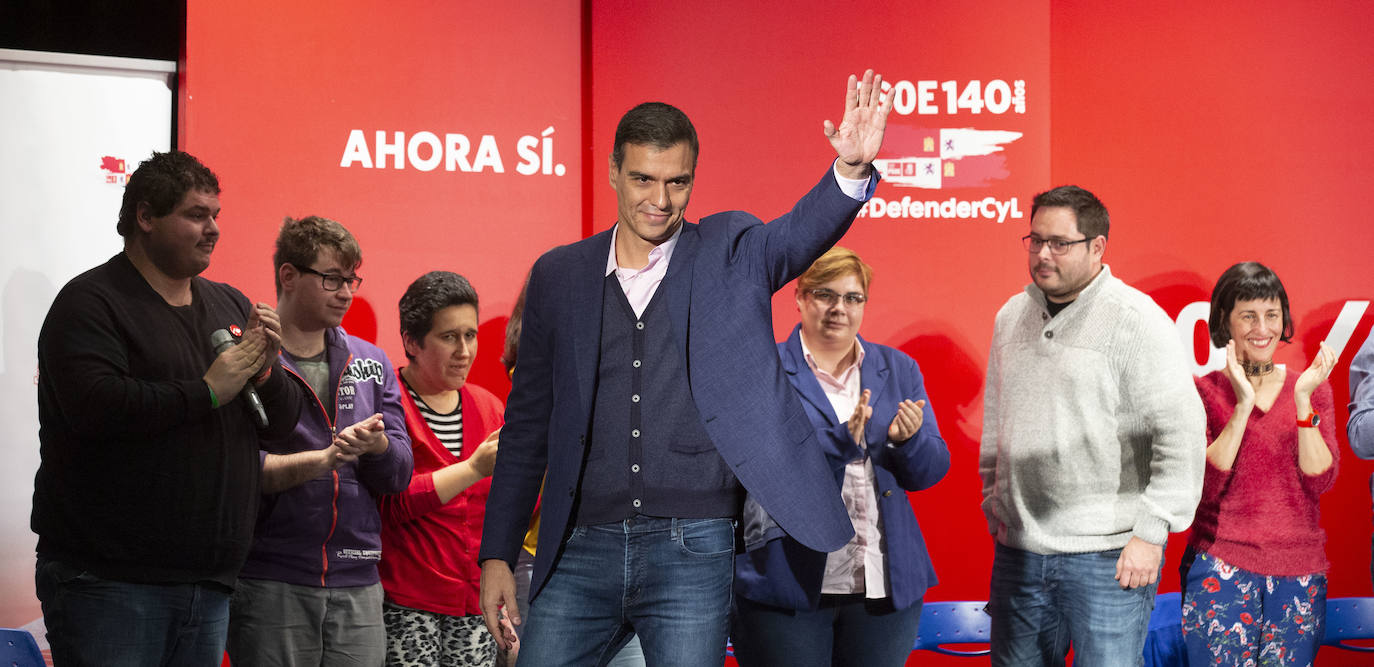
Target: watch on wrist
x,y
1311,421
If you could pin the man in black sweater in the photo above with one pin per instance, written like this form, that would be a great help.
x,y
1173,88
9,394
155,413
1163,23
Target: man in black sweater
x,y
146,496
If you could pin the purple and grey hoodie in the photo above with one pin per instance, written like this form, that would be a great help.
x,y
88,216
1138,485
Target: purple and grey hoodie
x,y
327,531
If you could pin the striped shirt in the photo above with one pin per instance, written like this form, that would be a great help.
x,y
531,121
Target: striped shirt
x,y
447,427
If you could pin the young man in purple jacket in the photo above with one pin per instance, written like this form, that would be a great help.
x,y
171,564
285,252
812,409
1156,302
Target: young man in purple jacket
x,y
310,593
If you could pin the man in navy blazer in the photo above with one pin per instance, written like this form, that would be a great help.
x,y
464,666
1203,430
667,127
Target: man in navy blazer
x,y
649,388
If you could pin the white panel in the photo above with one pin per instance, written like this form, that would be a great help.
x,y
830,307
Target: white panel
x,y
62,116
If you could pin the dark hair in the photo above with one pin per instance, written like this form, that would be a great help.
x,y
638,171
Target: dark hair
x,y
1245,282
299,242
161,181
511,351
654,124
1087,209
428,295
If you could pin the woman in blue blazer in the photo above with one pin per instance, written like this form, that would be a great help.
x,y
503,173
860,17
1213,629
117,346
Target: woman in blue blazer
x,y
859,605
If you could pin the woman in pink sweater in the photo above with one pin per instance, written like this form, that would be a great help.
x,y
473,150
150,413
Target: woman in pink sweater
x,y
1254,574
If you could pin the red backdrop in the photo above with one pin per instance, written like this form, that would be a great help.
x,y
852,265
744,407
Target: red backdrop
x,y
285,102
1214,133
1220,133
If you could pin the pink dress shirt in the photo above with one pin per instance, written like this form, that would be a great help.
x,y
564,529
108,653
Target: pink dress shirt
x,y
861,565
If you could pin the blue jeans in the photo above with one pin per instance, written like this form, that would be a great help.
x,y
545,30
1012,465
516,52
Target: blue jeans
x,y
845,630
632,655
94,621
1042,604
666,580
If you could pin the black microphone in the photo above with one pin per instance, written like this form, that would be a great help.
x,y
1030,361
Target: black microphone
x,y
222,340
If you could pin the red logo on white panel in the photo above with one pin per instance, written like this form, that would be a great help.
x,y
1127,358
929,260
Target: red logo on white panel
x,y
116,169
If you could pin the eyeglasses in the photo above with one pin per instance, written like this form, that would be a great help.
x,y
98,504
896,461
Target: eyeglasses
x,y
1057,246
831,297
332,282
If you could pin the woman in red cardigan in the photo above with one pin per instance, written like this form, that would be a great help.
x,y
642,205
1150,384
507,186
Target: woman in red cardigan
x,y
431,532
1254,574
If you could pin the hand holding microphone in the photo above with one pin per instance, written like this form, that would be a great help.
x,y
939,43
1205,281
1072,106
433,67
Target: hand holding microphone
x,y
235,364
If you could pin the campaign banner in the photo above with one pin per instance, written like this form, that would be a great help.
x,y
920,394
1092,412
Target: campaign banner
x,y
472,138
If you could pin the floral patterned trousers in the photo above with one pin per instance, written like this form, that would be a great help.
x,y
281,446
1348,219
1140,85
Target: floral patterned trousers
x,y
1236,617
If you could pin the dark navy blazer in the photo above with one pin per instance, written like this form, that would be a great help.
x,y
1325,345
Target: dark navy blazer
x,y
787,574
719,290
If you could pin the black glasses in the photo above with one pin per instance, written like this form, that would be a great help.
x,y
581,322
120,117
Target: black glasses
x,y
332,282
1057,246
830,297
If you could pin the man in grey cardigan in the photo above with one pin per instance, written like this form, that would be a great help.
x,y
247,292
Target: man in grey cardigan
x,y
1092,450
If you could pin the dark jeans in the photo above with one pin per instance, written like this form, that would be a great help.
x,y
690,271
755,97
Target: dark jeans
x,y
99,622
667,580
847,630
1042,604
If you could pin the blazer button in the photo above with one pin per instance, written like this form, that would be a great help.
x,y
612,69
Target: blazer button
x,y
1049,334
887,493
